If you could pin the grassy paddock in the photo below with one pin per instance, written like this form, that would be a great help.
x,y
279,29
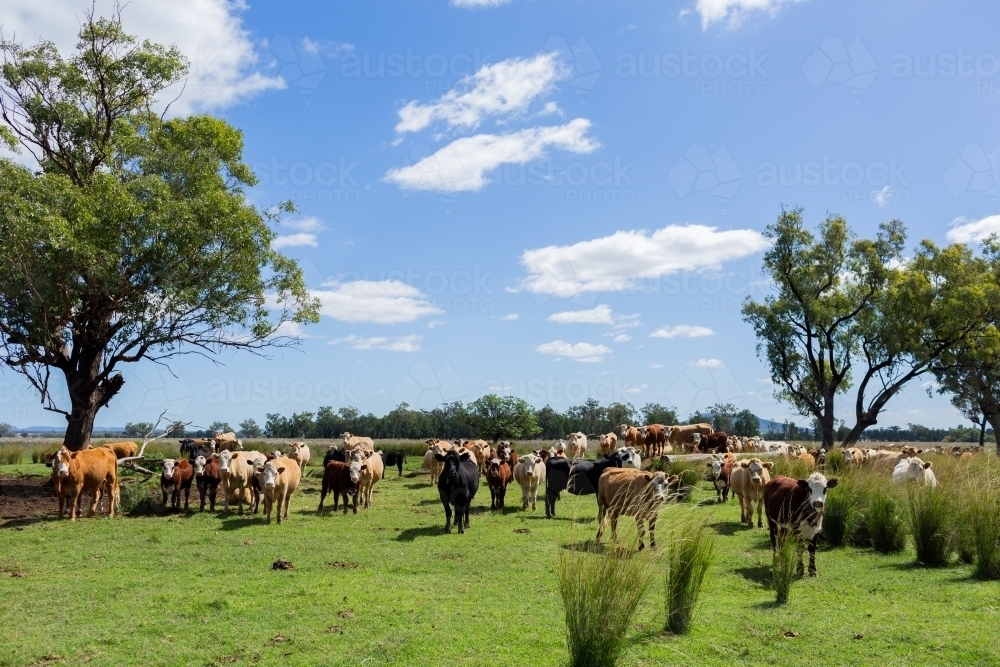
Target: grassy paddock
x,y
387,587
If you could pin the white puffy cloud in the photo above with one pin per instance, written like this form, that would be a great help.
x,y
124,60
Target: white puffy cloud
x,y
295,240
622,338
506,87
626,258
577,351
735,11
409,343
209,32
510,317
964,230
380,302
309,223
636,390
682,331
477,4
707,363
463,164
599,315
291,330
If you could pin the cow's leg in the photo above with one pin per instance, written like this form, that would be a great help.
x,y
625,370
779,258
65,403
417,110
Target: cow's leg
x,y
652,532
355,502
95,498
187,497
640,527
213,490
73,503
614,526
493,499
602,512
760,509
62,502
800,570
447,516
773,529
812,556
202,487
322,495
163,490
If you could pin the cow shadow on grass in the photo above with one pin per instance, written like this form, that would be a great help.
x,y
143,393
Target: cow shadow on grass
x,y
419,486
758,574
239,522
411,534
728,528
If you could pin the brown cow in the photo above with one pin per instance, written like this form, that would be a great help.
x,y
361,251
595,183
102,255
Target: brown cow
x,y
655,439
633,493
683,436
608,443
747,482
630,436
506,454
86,470
797,505
342,479
208,476
177,475
498,476
123,449
717,442
722,470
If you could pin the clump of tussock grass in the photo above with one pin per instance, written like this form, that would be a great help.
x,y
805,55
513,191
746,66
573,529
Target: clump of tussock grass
x,y
886,528
841,516
784,564
690,555
930,524
10,455
835,462
135,497
601,591
982,525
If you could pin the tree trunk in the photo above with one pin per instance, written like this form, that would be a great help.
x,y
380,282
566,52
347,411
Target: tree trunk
x,y
827,423
855,434
79,426
87,394
982,432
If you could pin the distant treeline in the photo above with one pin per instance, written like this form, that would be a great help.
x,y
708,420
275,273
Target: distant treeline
x,y
918,433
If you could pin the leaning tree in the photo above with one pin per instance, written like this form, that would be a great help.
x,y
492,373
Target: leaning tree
x,y
130,237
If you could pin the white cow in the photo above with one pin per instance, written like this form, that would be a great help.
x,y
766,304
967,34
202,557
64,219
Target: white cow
x,y
300,453
576,446
630,458
529,473
913,469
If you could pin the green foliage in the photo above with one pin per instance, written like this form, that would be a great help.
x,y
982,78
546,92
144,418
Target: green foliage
x,y
220,427
654,413
10,455
841,515
177,429
6,430
746,424
496,417
690,554
885,526
101,244
931,525
784,563
137,429
835,461
250,429
980,528
137,497
601,591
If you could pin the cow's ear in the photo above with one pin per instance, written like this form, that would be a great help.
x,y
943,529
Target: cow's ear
x,y
709,465
744,464
439,457
768,465
830,483
803,483
920,451
281,470
928,464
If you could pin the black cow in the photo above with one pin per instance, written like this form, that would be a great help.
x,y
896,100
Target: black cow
x,y
334,453
396,458
457,485
195,448
556,479
579,478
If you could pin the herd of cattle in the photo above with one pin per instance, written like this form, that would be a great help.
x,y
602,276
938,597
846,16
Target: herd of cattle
x,y
616,476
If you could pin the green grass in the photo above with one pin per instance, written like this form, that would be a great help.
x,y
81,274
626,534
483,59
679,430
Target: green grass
x,y
198,589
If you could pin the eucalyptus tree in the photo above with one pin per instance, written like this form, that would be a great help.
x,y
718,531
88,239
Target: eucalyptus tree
x,y
131,238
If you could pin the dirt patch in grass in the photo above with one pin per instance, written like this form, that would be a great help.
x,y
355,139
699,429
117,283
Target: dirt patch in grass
x,y
26,497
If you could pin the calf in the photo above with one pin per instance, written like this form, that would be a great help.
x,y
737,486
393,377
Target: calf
x,y
342,479
86,470
207,476
179,474
722,470
457,485
797,505
529,473
747,482
279,480
608,443
632,493
498,476
371,472
396,458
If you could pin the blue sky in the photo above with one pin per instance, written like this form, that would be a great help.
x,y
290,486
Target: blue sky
x,y
561,200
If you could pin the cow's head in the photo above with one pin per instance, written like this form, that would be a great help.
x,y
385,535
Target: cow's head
x,y
494,465
199,466
623,430
449,472
716,466
529,461
817,486
168,467
355,471
697,438
643,430
915,468
756,469
60,462
658,487
269,473
225,457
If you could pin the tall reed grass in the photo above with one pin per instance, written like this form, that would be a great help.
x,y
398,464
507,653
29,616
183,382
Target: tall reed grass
x,y
601,591
690,555
10,455
886,528
784,564
930,525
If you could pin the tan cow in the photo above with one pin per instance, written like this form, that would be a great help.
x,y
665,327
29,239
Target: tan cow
x,y
631,437
86,470
237,471
576,445
854,456
300,453
123,449
747,483
279,478
227,441
529,472
633,493
372,470
366,444
684,436
430,462
608,443
482,451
